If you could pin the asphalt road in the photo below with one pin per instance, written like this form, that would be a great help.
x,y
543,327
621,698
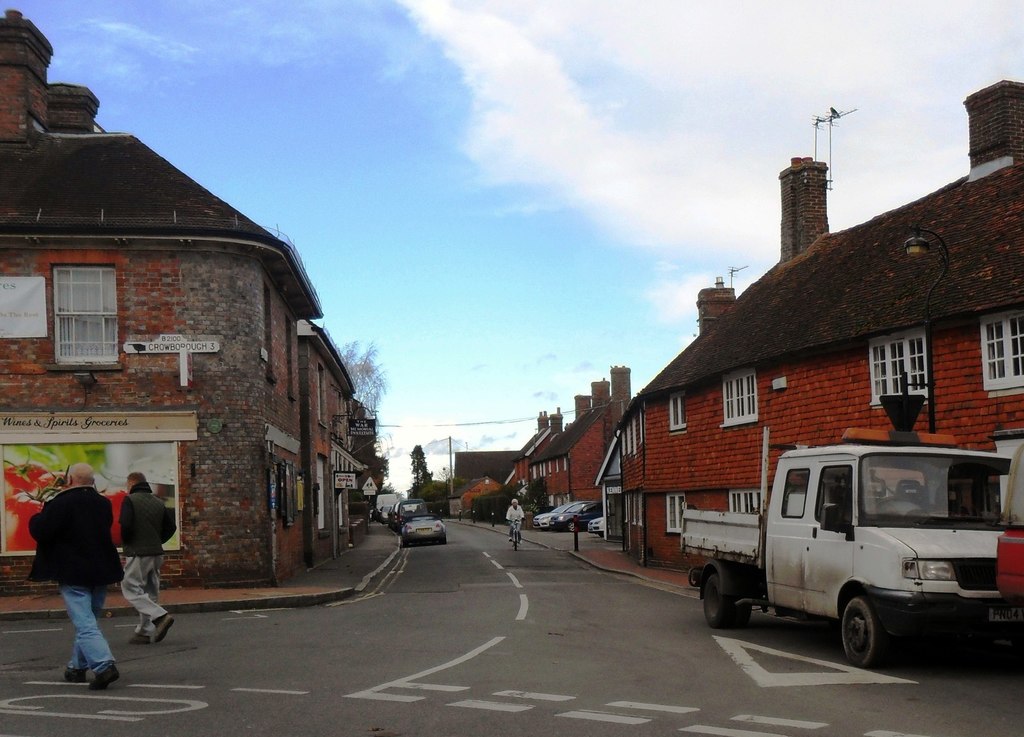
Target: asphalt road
x,y
473,638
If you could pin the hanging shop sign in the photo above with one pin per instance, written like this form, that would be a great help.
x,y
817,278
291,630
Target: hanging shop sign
x,y
362,426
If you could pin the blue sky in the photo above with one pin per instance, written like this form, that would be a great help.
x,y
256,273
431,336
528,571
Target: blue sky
x,y
508,197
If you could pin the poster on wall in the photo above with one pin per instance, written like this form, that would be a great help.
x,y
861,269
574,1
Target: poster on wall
x,y
33,474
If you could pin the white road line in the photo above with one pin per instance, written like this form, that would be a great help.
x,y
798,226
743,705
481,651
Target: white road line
x,y
524,607
534,696
490,705
497,564
652,707
377,696
819,673
271,690
885,733
370,576
487,555
514,580
777,722
600,716
434,687
726,732
163,686
373,693
29,632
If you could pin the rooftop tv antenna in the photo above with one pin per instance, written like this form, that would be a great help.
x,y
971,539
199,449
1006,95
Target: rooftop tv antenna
x,y
830,121
733,270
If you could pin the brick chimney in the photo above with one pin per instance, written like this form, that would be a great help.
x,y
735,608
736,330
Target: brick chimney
x,y
621,392
995,117
542,422
556,422
583,404
713,302
24,57
804,212
601,391
72,109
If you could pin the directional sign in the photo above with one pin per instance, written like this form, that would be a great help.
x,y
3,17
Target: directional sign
x,y
174,343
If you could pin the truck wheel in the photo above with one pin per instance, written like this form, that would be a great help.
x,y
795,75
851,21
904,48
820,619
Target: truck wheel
x,y
719,609
864,639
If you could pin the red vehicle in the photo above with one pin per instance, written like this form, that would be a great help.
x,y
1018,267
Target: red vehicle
x,y
1010,547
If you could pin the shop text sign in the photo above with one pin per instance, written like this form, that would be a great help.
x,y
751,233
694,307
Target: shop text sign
x,y
29,427
174,343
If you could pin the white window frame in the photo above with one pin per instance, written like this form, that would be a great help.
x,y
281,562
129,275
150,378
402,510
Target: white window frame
x,y
745,501
677,411
1002,351
739,397
890,355
85,314
674,506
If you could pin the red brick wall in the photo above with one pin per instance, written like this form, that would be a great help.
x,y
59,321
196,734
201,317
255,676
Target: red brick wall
x,y
826,394
225,535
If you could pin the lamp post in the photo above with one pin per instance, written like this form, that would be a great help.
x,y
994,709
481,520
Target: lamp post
x,y
919,245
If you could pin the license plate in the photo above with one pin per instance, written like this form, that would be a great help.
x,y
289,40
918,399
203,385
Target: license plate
x,y
1006,614
424,530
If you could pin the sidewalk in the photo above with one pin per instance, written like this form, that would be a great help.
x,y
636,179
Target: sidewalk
x,y
341,578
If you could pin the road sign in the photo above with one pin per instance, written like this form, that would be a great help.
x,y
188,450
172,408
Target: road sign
x,y
173,343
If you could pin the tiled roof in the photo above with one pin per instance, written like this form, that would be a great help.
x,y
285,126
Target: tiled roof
x,y
858,283
474,464
113,183
564,442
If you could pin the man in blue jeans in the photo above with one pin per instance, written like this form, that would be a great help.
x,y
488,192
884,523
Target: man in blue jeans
x,y
75,549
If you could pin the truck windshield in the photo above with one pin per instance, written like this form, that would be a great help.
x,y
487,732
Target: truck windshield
x,y
915,490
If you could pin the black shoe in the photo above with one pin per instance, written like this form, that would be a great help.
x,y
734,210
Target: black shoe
x,y
104,679
74,675
162,625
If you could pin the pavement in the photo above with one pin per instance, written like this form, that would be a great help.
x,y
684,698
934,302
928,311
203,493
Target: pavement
x,y
344,577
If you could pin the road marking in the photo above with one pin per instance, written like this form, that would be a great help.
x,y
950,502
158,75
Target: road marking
x,y
834,674
776,722
524,606
534,696
412,681
652,707
434,687
15,706
370,576
515,580
497,564
726,732
884,733
602,716
29,632
250,616
491,705
165,685
271,690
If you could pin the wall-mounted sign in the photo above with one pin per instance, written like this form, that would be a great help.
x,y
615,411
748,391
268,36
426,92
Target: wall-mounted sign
x,y
362,426
344,480
22,307
173,343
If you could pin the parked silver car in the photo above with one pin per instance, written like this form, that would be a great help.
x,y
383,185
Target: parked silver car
x,y
543,521
422,528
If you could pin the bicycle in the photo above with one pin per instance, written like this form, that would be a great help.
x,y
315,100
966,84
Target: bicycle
x,y
517,536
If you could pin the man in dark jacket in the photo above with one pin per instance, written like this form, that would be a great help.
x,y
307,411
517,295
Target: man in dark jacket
x,y
146,523
75,549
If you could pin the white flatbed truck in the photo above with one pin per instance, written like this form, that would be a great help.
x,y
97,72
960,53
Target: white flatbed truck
x,y
890,534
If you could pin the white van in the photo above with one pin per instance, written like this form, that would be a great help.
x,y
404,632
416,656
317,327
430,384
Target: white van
x,y
382,504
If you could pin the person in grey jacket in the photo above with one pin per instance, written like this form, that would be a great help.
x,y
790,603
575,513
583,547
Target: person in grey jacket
x,y
74,547
146,523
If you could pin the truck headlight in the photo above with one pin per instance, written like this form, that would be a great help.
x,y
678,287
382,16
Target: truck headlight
x,y
928,570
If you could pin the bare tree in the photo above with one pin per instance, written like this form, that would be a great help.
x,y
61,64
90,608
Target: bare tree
x,y
370,381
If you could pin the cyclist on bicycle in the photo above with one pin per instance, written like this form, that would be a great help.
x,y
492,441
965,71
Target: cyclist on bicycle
x,y
512,515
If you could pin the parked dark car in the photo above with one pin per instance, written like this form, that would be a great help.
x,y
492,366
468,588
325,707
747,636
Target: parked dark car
x,y
543,519
422,527
567,520
404,508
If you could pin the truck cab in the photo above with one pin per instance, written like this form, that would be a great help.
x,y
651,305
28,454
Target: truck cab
x,y
888,538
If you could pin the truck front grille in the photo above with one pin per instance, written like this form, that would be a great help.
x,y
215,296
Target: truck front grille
x,y
976,574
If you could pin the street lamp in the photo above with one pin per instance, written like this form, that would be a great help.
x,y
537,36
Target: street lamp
x,y
919,245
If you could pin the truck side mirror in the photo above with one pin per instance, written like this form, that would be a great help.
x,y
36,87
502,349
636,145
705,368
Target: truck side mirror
x,y
832,520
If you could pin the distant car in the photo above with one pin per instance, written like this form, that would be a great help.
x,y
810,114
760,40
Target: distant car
x,y
422,527
404,509
596,526
541,521
568,519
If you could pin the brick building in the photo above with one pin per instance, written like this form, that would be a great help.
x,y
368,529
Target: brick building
x,y
810,348
570,462
145,324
